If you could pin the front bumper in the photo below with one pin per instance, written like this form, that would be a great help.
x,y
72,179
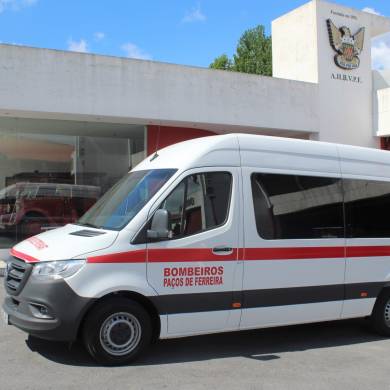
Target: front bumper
x,y
64,306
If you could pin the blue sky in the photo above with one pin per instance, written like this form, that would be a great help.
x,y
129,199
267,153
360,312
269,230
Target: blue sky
x,y
179,31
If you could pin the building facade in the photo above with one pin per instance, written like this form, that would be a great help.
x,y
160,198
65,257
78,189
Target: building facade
x,y
72,124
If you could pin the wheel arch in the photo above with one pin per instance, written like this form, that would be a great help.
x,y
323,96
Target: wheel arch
x,y
35,213
144,301
383,291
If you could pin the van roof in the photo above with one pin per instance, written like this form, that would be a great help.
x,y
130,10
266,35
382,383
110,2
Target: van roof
x,y
223,150
205,151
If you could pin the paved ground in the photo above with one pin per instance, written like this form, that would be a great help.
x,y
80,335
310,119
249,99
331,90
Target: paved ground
x,y
337,355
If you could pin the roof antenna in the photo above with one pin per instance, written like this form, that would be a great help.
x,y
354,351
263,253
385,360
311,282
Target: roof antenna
x,y
155,155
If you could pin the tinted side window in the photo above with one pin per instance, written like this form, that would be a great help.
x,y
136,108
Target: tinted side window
x,y
366,206
200,202
297,207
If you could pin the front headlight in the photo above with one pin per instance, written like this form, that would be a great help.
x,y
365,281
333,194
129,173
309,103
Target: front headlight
x,y
57,269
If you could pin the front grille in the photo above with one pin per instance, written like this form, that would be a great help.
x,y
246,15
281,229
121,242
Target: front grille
x,y
18,272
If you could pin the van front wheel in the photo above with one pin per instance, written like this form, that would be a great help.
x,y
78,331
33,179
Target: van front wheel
x,y
117,331
381,314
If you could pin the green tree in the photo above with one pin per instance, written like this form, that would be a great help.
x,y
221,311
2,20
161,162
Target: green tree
x,y
222,62
253,54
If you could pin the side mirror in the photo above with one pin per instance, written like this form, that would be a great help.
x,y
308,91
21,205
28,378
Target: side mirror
x,y
159,229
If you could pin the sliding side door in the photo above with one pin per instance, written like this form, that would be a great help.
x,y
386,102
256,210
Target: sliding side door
x,y
294,260
367,205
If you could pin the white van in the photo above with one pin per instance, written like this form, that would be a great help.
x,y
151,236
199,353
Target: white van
x,y
215,234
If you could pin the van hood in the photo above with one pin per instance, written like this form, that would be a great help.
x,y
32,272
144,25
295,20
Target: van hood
x,y
68,242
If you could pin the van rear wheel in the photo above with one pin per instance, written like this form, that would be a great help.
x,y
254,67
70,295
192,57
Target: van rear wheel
x,y
380,317
117,331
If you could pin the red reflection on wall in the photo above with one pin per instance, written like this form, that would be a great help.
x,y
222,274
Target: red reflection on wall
x,y
385,143
161,136
27,209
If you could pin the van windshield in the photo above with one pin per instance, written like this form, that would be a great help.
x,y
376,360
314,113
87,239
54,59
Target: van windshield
x,y
125,199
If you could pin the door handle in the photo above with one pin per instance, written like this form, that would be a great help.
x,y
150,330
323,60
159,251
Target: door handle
x,y
222,250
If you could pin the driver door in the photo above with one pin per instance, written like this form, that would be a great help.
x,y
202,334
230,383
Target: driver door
x,y
196,271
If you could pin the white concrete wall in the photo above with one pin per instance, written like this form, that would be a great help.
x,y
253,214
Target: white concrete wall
x,y
40,83
345,108
381,102
49,83
383,99
294,45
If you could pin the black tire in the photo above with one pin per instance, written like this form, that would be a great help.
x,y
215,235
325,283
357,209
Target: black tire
x,y
380,318
129,320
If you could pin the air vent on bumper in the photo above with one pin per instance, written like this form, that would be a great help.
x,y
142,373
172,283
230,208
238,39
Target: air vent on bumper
x,y
17,274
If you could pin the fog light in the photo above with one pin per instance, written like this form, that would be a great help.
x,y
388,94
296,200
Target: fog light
x,y
40,311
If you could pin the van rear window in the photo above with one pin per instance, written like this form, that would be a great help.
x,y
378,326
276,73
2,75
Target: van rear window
x,y
367,205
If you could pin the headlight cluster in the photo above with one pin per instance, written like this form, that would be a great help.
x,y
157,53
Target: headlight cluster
x,y
57,269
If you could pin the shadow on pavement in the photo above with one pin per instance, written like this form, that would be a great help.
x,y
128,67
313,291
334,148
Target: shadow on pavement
x,y
264,345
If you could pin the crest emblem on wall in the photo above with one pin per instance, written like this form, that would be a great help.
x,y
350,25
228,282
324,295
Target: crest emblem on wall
x,y
347,46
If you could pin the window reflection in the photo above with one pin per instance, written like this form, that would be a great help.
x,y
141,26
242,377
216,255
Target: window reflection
x,y
49,180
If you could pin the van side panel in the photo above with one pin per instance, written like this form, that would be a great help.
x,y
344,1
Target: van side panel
x,y
108,272
367,259
289,281
275,154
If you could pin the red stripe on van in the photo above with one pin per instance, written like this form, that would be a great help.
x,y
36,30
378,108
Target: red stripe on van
x,y
187,255
163,256
206,255
367,251
23,256
248,254
138,256
293,253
